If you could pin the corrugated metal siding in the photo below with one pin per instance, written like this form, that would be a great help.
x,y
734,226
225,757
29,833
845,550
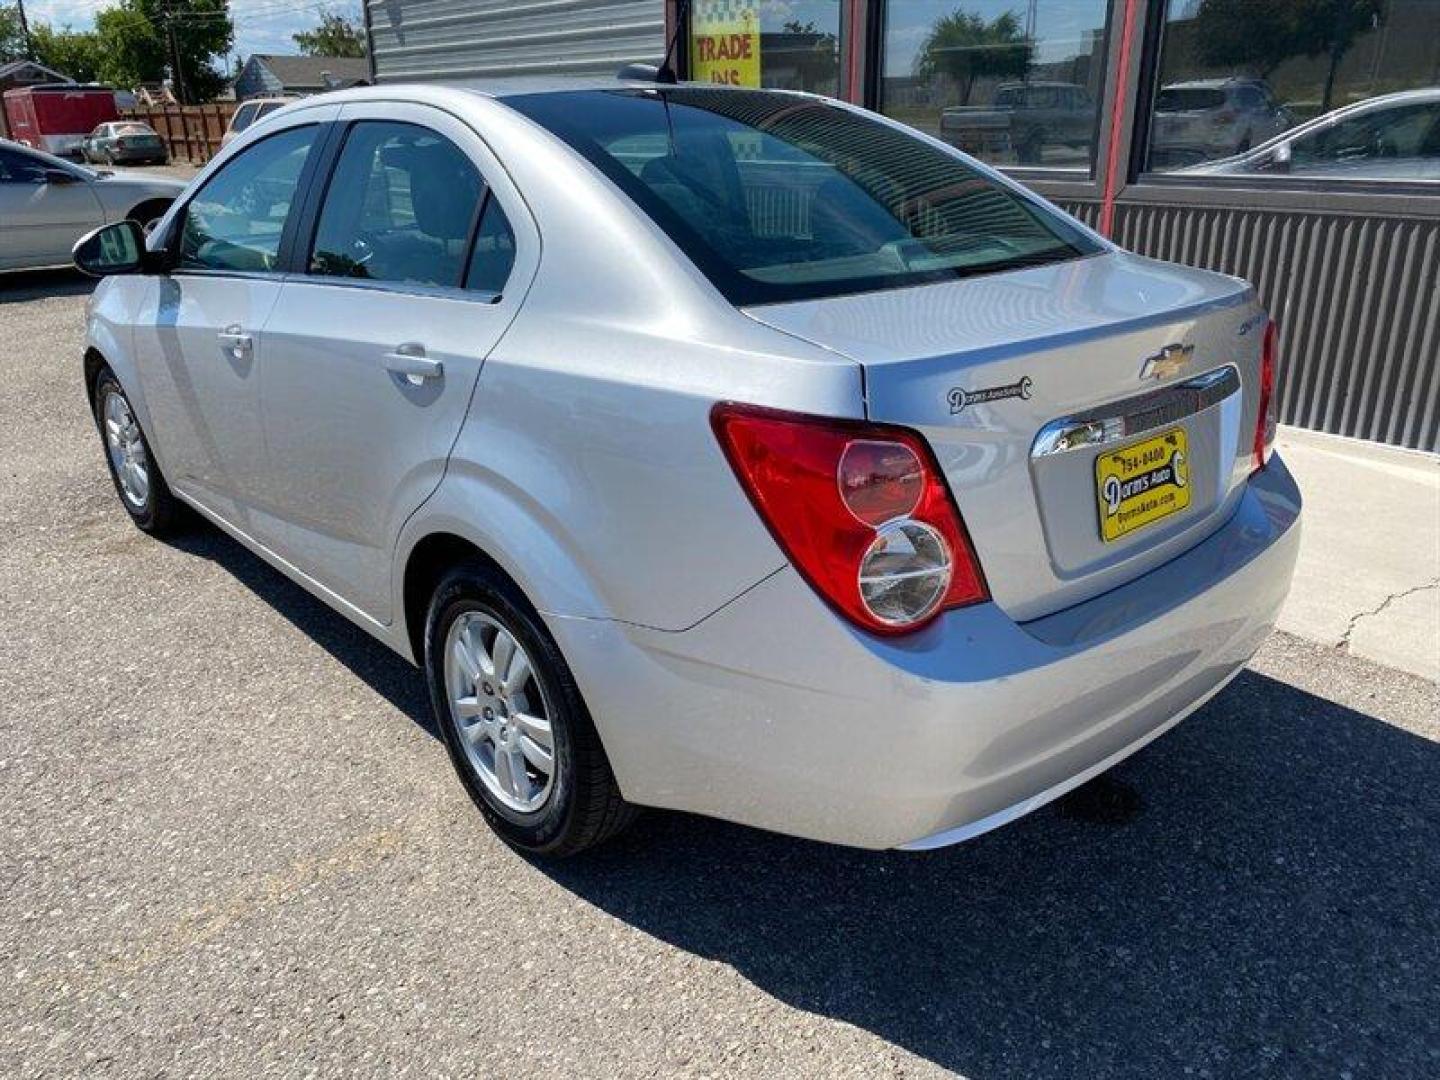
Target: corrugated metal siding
x,y
1357,298
1088,212
434,39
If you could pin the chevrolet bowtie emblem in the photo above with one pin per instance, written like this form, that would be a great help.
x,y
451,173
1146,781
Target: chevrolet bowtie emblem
x,y
1171,360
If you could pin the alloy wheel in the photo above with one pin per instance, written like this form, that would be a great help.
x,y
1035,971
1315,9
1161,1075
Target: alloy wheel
x,y
126,449
500,711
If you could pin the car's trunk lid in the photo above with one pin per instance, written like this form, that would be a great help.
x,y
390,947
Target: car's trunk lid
x,y
1022,380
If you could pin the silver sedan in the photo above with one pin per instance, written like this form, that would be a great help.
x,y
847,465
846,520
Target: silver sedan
x,y
733,451
47,203
125,141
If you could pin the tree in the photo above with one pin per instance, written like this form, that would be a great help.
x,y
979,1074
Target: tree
x,y
142,41
965,47
12,39
1256,36
335,36
73,53
1259,35
820,63
1332,28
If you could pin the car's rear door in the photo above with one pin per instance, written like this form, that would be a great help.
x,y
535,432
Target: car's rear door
x,y
200,332
417,255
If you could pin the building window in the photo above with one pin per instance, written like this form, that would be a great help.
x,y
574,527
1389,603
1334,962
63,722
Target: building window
x,y
1305,89
1015,84
785,44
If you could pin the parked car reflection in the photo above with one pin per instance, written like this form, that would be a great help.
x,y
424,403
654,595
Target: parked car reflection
x,y
1212,118
1391,137
1024,118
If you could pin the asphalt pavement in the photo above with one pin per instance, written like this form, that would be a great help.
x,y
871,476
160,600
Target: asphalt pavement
x,y
232,846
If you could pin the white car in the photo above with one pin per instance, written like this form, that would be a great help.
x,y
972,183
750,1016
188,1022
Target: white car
x,y
47,204
1390,137
726,450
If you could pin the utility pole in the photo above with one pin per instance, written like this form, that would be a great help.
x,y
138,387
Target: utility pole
x,y
25,30
181,95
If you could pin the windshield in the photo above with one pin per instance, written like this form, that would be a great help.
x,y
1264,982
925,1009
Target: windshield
x,y
779,197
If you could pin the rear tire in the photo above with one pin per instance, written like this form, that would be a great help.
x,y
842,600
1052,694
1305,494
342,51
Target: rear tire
x,y
577,804
133,469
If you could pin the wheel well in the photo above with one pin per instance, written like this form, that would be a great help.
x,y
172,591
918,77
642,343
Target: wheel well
x,y
93,363
430,560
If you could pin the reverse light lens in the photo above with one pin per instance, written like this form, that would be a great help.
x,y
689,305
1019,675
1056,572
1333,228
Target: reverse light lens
x,y
904,575
1265,416
861,511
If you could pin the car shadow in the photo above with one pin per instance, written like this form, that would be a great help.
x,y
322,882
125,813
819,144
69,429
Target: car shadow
x,y
387,674
1253,894
20,285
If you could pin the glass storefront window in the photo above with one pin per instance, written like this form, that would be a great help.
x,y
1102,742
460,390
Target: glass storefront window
x,y
785,44
1012,82
1314,89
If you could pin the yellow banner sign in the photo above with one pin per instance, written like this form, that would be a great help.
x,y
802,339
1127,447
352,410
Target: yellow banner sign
x,y
725,42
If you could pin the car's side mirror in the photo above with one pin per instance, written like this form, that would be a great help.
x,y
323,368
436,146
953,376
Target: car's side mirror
x,y
60,176
118,248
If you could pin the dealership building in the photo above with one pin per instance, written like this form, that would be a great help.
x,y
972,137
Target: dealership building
x,y
1294,143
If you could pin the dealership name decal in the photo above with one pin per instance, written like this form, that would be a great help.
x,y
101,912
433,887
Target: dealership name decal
x,y
959,398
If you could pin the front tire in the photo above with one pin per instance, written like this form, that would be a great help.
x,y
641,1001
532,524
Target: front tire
x,y
517,729
133,469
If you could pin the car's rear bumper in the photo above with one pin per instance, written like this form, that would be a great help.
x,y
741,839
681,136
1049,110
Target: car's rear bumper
x,y
774,713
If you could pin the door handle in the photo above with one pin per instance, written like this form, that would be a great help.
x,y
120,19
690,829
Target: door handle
x,y
235,342
410,361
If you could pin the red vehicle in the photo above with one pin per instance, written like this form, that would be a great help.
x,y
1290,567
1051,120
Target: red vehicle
x,y
56,118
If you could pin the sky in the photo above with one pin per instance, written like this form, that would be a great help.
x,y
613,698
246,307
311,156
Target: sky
x,y
262,26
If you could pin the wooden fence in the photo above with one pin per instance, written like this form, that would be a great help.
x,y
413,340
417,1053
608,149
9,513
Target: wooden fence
x,y
192,132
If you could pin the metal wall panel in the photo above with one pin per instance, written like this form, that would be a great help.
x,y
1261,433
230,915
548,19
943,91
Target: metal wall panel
x,y
1357,298
436,39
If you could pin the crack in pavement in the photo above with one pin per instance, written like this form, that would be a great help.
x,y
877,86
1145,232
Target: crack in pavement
x,y
1344,643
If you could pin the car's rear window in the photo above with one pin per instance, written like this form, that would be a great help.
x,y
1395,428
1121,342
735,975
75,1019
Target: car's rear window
x,y
1188,100
779,197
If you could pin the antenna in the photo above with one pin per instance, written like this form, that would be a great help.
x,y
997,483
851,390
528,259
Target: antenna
x,y
666,74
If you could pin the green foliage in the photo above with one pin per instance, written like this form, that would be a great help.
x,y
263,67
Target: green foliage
x,y
335,36
12,41
130,45
965,47
1259,35
72,53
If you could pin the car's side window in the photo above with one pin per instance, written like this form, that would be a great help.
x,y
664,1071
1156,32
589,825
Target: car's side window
x,y
494,252
17,168
399,207
236,220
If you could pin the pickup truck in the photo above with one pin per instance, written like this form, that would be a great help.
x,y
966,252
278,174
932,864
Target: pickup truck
x,y
1023,119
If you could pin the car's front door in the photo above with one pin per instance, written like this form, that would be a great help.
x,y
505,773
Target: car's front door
x,y
41,214
421,254
199,338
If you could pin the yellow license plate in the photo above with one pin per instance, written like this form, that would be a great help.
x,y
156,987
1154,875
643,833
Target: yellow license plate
x,y
1142,483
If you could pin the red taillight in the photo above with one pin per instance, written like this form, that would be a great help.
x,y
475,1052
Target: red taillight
x,y
860,509
1265,417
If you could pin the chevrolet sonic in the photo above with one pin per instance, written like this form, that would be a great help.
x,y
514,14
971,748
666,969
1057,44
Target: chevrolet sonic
x,y
734,451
